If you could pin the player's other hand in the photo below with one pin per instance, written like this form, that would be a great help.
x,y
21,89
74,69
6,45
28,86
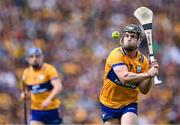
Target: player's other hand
x,y
45,103
23,96
153,71
154,64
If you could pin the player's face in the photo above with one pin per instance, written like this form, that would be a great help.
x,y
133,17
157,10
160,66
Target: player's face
x,y
130,41
35,60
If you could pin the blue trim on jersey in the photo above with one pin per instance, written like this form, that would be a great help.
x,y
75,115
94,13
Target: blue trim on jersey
x,y
114,78
55,78
118,64
112,113
46,116
39,88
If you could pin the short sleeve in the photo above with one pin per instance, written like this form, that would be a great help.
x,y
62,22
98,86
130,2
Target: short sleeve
x,y
52,73
115,58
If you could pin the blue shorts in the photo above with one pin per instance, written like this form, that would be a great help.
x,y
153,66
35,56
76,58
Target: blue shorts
x,y
111,113
46,116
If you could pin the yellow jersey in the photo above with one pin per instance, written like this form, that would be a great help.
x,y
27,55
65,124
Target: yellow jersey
x,y
114,93
39,84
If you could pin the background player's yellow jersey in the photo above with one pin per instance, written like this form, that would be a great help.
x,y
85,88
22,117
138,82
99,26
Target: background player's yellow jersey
x,y
39,85
114,93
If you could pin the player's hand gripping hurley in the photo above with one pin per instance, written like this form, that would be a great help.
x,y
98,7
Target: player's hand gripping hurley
x,y
145,17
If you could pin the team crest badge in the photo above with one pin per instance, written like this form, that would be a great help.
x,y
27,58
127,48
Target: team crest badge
x,y
41,77
138,69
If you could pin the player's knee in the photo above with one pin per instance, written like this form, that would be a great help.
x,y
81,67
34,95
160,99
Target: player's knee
x,y
129,119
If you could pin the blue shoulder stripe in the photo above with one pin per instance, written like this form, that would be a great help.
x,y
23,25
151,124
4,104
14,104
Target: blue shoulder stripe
x,y
55,78
114,78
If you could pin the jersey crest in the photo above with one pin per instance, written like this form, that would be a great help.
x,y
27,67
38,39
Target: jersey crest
x,y
138,69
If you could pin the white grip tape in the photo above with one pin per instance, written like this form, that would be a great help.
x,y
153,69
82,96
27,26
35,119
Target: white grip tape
x,y
156,81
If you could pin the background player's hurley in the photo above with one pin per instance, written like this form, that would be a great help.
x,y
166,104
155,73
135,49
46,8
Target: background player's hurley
x,y
145,17
25,106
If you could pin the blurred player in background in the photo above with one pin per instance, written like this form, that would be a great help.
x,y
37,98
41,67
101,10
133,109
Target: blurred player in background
x,y
127,72
42,82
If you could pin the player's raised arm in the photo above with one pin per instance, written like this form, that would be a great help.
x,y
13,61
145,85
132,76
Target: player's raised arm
x,y
129,77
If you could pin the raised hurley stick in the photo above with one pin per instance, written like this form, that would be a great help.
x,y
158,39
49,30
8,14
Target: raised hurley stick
x,y
145,17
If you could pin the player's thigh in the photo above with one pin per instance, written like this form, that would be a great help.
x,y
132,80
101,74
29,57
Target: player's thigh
x,y
129,118
33,122
112,122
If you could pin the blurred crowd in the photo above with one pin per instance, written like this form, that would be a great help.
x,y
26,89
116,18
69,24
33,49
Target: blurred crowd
x,y
75,36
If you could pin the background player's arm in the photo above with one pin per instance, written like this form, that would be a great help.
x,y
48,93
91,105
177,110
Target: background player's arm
x,y
129,77
25,93
57,88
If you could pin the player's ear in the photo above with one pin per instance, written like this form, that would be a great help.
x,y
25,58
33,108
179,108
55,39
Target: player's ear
x,y
121,40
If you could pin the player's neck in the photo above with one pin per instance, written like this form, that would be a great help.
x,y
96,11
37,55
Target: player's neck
x,y
132,54
38,68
